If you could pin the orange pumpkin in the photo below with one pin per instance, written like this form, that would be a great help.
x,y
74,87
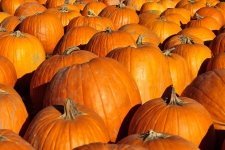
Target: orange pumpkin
x,y
217,45
46,27
3,15
12,119
159,115
50,67
7,72
75,123
10,6
217,62
102,93
23,50
95,7
11,22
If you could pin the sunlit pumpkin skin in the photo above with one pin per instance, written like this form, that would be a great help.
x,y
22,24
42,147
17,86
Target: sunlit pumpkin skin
x,y
221,7
163,28
75,37
208,89
180,116
29,9
147,17
194,54
64,13
179,71
7,72
180,39
96,7
152,6
104,146
146,64
75,125
24,50
199,32
12,119
176,18
212,12
12,141
96,22
3,15
56,3
102,93
10,6
158,141
204,21
50,67
110,2
120,15
136,30
217,62
218,44
135,4
46,27
11,22
103,42
180,11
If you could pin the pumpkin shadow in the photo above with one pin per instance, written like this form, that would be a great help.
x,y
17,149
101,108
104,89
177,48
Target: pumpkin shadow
x,y
209,140
220,137
203,67
123,131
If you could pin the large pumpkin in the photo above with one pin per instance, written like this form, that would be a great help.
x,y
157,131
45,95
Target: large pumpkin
x,y
7,72
175,115
12,141
147,65
46,27
24,50
217,62
49,68
58,127
10,6
101,84
13,112
208,89
158,141
218,44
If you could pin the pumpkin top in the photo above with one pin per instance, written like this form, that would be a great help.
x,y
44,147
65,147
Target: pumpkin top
x,y
152,135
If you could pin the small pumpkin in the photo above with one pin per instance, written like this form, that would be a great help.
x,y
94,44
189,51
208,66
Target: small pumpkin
x,y
75,123
10,23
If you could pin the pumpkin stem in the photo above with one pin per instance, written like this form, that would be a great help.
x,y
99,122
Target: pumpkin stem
x,y
17,33
64,9
21,18
152,135
140,40
186,40
121,5
168,52
108,30
197,16
66,1
70,50
191,1
171,97
91,13
3,138
70,110
3,92
162,18
2,29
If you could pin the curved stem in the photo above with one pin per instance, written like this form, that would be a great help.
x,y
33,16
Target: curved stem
x,y
186,40
168,52
70,50
70,110
197,16
17,33
64,9
139,41
171,97
152,135
91,13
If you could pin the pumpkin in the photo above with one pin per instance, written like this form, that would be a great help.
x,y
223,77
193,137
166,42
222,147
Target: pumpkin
x,y
96,22
180,39
12,141
120,15
75,123
163,28
7,72
180,116
50,67
217,62
176,18
104,146
56,3
179,71
158,141
195,55
46,27
220,6
204,21
75,37
110,2
95,7
29,9
135,4
11,22
10,6
102,93
3,15
64,13
11,118
208,89
217,45
148,17
152,6
136,29
146,64
200,32
24,50
103,42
